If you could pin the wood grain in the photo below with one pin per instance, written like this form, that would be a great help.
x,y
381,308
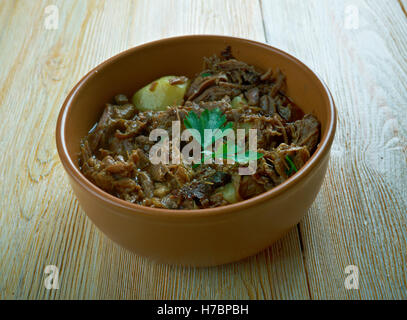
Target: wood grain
x,y
358,217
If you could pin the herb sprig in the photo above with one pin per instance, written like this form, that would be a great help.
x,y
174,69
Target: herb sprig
x,y
206,74
292,167
215,120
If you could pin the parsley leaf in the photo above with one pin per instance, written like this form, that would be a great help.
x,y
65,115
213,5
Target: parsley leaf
x,y
216,121
248,156
237,154
206,74
192,121
209,119
291,165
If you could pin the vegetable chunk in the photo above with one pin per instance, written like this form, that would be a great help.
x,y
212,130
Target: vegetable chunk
x,y
161,93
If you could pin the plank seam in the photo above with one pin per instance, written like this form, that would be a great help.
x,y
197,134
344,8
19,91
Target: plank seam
x,y
262,21
304,260
298,225
402,7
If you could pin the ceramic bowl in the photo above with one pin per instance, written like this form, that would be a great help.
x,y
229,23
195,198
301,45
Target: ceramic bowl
x,y
203,237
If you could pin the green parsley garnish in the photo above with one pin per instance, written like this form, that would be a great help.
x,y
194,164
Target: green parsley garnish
x,y
291,165
206,74
209,119
216,121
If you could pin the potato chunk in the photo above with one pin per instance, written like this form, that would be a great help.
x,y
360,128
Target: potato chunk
x,y
229,193
161,93
238,102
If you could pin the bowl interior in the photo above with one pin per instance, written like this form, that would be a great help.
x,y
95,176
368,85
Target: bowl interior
x,y
137,67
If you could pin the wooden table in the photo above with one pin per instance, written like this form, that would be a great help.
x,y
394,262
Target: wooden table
x,y
359,217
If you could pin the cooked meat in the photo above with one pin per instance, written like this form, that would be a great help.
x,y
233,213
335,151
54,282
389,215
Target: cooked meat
x,y
125,111
115,153
146,184
267,104
217,93
201,190
202,82
158,172
252,96
305,132
249,187
279,83
121,99
266,75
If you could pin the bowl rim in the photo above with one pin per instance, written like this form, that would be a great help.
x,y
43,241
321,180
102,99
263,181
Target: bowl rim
x,y
131,208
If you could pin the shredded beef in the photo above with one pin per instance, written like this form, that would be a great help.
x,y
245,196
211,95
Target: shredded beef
x,y
115,153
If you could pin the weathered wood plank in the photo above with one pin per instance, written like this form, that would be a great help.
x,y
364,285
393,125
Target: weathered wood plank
x,y
359,217
40,220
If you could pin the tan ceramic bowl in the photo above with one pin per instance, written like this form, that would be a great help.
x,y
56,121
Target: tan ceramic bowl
x,y
193,237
